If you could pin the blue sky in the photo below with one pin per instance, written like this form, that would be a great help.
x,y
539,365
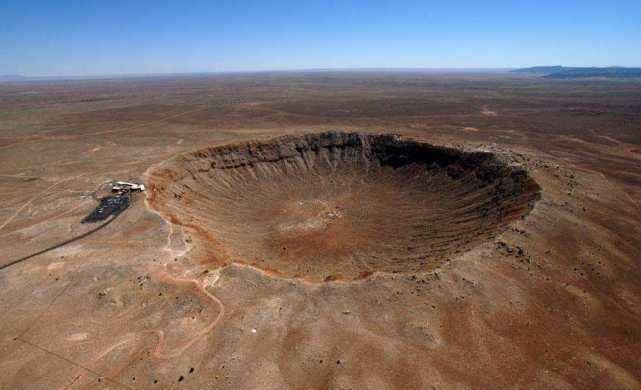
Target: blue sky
x,y
71,37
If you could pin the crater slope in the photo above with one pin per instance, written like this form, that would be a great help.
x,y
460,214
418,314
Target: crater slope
x,y
335,205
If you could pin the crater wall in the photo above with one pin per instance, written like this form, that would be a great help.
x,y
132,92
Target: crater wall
x,y
340,205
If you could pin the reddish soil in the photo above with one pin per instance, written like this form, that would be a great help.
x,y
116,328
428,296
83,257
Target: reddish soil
x,y
334,206
475,250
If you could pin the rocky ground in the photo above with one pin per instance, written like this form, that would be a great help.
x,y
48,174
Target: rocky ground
x,y
553,301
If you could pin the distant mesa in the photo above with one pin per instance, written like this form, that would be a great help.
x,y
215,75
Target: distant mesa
x,y
563,72
339,206
540,70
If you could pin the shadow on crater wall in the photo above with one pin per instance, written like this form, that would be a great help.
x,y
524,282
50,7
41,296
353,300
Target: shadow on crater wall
x,y
340,205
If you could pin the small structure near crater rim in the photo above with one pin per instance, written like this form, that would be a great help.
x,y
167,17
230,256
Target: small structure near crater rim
x,y
116,203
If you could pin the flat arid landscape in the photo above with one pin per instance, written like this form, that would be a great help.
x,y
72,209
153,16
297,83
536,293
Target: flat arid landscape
x,y
321,230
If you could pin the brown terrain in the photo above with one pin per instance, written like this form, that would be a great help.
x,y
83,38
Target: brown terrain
x,y
324,230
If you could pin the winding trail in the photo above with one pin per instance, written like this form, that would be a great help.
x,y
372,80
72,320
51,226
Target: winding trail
x,y
159,351
193,283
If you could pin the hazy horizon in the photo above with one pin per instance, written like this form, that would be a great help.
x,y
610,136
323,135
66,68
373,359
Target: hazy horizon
x,y
283,70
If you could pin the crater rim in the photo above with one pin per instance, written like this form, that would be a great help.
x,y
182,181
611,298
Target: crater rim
x,y
174,178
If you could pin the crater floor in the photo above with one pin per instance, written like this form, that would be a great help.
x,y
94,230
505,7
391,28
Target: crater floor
x,y
338,205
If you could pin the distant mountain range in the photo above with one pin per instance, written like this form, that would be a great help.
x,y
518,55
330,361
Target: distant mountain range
x,y
564,72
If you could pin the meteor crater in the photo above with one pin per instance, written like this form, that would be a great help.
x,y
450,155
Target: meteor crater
x,y
340,206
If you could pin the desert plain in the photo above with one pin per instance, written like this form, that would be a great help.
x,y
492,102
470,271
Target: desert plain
x,y
322,230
